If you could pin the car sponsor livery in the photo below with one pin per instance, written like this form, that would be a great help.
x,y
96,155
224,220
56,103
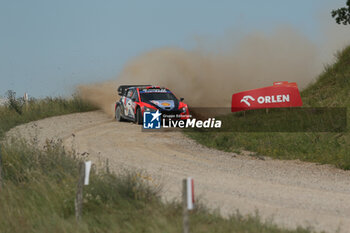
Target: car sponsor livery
x,y
164,104
280,95
136,100
154,90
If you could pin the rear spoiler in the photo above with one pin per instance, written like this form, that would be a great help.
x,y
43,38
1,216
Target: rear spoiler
x,y
122,88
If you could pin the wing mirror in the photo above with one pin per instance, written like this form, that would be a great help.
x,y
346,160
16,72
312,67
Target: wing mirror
x,y
182,99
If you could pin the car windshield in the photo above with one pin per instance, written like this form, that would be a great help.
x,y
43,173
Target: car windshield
x,y
157,96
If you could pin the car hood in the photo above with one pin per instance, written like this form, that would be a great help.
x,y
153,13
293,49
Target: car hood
x,y
164,104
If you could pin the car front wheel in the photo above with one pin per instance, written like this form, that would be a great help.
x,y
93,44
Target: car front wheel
x,y
138,118
118,116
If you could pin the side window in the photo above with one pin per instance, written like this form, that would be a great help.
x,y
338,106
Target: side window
x,y
129,94
135,96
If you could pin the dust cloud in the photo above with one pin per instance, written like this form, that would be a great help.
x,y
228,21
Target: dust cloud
x,y
103,95
207,78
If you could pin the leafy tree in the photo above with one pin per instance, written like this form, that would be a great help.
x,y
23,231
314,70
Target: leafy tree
x,y
342,15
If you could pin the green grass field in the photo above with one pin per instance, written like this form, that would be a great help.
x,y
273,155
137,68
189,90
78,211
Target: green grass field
x,y
16,111
38,189
331,89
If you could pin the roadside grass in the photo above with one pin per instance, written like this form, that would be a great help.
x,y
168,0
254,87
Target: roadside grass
x,y
39,189
331,89
16,111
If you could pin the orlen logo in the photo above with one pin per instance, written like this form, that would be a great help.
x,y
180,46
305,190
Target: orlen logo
x,y
273,99
246,98
266,99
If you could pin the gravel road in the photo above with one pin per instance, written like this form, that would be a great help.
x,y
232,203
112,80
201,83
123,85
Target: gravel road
x,y
293,193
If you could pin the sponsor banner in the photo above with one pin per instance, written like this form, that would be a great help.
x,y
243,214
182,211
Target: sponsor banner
x,y
155,90
280,95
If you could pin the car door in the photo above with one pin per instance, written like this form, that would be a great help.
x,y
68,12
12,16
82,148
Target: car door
x,y
129,104
134,99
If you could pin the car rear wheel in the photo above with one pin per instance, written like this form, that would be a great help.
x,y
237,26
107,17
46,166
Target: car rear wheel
x,y
118,115
138,118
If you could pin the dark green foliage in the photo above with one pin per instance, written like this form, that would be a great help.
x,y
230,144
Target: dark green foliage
x,y
342,15
14,103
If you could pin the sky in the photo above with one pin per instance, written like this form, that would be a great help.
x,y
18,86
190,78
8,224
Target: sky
x,y
48,47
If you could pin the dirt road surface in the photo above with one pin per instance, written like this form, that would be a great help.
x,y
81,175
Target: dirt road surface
x,y
292,193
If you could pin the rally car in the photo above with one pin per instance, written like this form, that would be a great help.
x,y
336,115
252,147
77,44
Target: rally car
x,y
136,99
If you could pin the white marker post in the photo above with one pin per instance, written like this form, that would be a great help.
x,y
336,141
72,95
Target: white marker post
x,y
87,172
190,193
26,98
84,174
187,201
